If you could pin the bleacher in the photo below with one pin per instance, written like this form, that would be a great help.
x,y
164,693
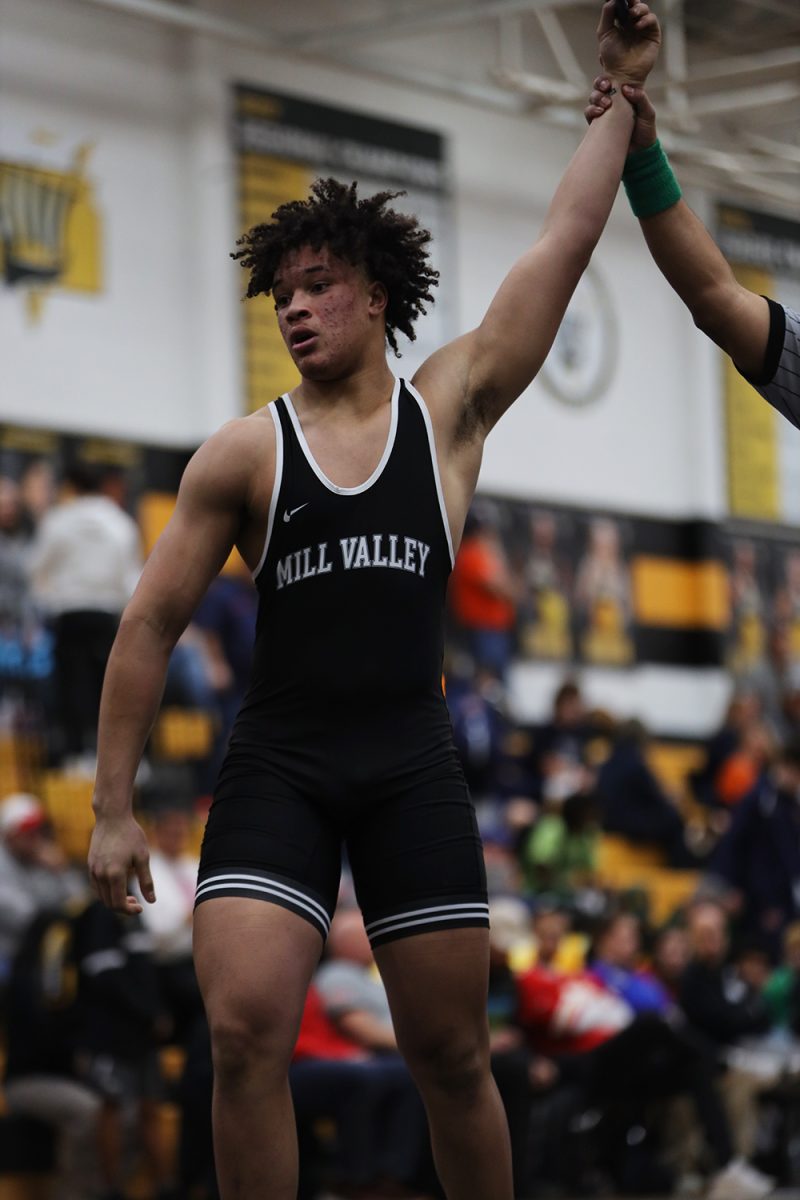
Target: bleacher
x,y
185,736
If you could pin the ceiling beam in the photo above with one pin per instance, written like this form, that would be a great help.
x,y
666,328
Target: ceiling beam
x,y
753,64
766,95
676,64
423,20
561,48
193,20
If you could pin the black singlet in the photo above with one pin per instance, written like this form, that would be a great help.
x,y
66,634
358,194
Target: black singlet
x,y
346,687
344,736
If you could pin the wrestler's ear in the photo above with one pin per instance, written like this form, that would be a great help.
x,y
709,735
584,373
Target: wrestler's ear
x,y
378,297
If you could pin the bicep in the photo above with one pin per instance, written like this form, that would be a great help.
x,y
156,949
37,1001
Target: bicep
x,y
744,331
485,370
521,324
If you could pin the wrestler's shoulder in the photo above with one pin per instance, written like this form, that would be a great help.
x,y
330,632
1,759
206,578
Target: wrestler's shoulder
x,y
238,449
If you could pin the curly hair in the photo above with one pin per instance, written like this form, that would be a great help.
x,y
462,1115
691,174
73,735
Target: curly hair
x,y
390,247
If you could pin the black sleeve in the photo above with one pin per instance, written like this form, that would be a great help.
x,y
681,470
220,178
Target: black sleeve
x,y
777,336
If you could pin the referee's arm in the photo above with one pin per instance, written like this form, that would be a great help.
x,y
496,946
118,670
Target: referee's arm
x,y
759,335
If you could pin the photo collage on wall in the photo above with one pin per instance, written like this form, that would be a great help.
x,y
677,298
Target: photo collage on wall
x,y
569,574
764,634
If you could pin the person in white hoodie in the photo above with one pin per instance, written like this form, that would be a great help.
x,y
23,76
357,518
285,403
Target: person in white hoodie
x,y
84,564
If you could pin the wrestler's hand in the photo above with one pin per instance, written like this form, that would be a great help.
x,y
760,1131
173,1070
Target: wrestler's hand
x,y
119,851
629,54
644,129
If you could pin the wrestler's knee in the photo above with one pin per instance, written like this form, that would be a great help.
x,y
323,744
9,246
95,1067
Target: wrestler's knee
x,y
453,1061
248,1039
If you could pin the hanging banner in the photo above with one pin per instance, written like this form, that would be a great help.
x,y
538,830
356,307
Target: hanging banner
x,y
763,448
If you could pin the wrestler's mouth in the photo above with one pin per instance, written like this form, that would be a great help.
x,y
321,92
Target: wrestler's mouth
x,y
301,338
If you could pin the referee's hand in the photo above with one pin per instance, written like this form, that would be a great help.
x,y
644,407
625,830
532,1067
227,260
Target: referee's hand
x,y
644,130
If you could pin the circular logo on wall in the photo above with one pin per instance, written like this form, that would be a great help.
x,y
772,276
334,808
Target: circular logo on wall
x,y
582,361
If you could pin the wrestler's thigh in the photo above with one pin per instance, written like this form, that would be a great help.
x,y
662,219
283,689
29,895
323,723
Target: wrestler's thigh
x,y
254,962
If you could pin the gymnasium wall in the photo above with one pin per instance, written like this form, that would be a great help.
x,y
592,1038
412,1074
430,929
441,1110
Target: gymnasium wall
x,y
143,339
155,354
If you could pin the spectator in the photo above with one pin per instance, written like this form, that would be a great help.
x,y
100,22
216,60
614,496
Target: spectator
x,y
633,802
42,1016
726,1010
479,728
555,947
782,990
758,859
714,997
512,1065
743,711
117,1043
14,592
560,852
391,1142
670,959
744,769
169,920
483,596
615,962
25,647
37,491
84,564
34,873
622,1063
559,758
226,623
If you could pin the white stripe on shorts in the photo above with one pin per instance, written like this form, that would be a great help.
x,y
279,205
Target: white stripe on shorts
x,y
272,887
437,908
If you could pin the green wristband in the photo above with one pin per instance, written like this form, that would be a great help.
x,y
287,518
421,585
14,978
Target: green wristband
x,y
649,181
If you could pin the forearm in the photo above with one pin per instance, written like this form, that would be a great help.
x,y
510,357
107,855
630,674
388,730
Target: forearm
x,y
583,200
132,692
690,261
736,319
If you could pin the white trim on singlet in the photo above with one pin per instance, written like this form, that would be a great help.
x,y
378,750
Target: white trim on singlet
x,y
315,467
426,416
276,487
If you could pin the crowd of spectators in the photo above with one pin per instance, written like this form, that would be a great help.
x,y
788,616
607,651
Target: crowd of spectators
x,y
642,1057
70,558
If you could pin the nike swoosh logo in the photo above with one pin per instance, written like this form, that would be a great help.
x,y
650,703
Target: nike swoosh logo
x,y
287,515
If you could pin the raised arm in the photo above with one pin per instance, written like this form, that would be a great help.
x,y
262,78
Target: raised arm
x,y
477,377
689,258
211,511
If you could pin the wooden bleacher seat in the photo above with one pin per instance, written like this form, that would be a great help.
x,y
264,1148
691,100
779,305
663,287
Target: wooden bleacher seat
x,y
673,762
622,865
620,862
68,800
183,733
20,757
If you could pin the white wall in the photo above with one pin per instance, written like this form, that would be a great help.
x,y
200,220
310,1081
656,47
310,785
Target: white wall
x,y
157,355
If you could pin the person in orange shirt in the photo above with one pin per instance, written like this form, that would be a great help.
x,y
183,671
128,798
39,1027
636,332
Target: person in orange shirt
x,y
483,596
